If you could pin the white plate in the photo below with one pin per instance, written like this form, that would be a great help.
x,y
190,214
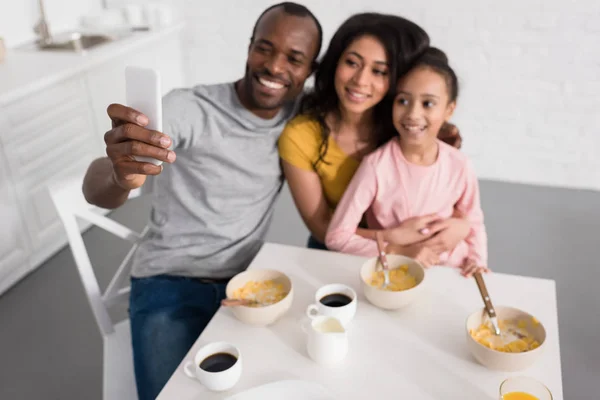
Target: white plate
x,y
288,390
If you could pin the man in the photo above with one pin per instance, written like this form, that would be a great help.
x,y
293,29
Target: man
x,y
211,208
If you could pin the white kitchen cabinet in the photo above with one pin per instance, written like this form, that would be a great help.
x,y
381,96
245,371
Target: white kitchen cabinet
x,y
52,140
14,244
53,128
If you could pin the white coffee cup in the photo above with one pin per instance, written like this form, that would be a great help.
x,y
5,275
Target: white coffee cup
x,y
150,11
158,15
164,15
327,342
216,381
134,14
343,313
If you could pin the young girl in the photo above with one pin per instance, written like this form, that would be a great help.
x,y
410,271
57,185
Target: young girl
x,y
346,116
415,173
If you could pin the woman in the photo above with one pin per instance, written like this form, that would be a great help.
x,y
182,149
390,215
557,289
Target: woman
x,y
347,116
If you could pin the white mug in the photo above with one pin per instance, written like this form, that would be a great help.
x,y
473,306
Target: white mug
x,y
164,15
216,381
158,15
327,342
150,12
134,14
344,313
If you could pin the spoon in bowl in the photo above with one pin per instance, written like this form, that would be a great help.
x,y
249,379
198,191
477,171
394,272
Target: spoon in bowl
x,y
489,307
239,302
383,260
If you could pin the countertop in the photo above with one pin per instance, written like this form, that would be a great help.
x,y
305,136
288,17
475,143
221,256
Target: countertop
x,y
26,70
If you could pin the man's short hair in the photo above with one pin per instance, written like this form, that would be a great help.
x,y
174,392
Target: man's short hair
x,y
295,9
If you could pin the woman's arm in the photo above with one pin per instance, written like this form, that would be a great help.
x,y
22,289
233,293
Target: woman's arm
x,y
309,199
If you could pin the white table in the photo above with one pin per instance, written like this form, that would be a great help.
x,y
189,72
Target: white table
x,y
416,353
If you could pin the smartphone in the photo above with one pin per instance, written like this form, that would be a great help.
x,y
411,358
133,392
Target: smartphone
x,y
143,93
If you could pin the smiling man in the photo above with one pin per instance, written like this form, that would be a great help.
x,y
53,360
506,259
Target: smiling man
x,y
274,77
211,206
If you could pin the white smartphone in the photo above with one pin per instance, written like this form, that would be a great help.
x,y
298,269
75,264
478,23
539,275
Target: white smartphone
x,y
143,93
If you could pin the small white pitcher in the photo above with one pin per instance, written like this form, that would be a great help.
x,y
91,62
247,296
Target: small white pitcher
x,y
327,342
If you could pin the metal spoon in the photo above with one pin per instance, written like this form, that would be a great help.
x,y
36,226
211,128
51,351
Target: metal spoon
x,y
489,308
238,302
383,260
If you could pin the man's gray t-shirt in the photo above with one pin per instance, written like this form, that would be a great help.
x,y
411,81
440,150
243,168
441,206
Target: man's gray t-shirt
x,y
212,207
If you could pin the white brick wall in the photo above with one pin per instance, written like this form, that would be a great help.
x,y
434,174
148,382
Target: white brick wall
x,y
530,72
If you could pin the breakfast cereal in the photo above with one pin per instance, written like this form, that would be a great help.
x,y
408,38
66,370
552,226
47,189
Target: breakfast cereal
x,y
515,337
264,293
400,279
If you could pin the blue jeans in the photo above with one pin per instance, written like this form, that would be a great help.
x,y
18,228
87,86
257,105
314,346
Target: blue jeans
x,y
167,315
313,243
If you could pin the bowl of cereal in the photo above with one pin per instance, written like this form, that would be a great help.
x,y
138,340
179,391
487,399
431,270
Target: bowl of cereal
x,y
520,344
268,292
406,282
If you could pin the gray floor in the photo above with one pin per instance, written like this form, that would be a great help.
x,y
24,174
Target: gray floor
x,y
50,347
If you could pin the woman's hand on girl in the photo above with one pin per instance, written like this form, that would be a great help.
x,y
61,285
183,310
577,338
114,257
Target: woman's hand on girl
x,y
414,230
423,254
449,233
450,134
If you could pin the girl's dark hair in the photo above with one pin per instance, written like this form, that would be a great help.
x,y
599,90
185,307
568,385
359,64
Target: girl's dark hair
x,y
437,60
403,41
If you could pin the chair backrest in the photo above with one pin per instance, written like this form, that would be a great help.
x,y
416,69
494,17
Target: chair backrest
x,y
72,207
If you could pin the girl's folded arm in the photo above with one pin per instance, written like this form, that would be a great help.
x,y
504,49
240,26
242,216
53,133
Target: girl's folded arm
x,y
358,197
470,206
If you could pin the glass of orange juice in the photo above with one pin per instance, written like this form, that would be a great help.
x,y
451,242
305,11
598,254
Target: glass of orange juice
x,y
523,388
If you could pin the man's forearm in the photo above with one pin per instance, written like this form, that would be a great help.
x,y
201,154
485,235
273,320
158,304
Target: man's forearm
x,y
100,188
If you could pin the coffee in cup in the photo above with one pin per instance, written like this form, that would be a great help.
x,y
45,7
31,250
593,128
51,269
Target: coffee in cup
x,y
218,362
218,366
334,300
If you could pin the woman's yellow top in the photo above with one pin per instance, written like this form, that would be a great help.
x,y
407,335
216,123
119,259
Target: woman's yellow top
x,y
299,145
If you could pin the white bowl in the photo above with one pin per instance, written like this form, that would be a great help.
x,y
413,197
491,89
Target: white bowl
x,y
261,316
389,300
498,360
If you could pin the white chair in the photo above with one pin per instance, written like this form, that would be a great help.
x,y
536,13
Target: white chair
x,y
118,374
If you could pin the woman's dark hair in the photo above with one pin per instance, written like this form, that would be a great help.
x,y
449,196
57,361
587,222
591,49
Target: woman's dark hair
x,y
403,41
437,60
